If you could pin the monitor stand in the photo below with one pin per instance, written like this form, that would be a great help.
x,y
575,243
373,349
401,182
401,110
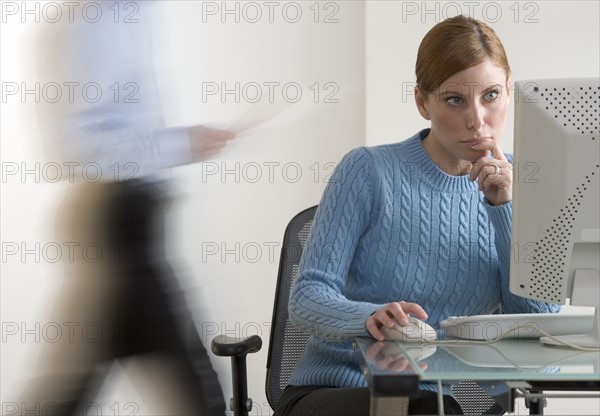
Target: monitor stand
x,y
589,340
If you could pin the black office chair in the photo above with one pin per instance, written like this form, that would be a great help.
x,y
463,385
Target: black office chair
x,y
288,343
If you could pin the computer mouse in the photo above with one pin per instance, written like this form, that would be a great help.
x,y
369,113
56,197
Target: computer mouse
x,y
414,331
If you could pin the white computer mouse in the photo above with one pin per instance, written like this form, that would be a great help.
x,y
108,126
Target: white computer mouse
x,y
414,331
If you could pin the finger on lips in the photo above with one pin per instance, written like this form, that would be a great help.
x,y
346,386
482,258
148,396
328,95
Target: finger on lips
x,y
493,147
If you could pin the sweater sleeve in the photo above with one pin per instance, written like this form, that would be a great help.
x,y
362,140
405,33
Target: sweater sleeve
x,y
317,303
501,219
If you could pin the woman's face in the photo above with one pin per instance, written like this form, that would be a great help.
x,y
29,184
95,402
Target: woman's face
x,y
468,108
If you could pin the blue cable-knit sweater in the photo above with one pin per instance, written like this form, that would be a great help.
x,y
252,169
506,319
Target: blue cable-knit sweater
x,y
392,226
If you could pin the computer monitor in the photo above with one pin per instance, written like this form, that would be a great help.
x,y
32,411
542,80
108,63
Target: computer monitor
x,y
556,210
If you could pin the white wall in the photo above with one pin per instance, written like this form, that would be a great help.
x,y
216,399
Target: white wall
x,y
227,224
295,153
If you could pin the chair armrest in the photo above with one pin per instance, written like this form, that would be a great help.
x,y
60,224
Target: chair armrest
x,y
225,346
237,349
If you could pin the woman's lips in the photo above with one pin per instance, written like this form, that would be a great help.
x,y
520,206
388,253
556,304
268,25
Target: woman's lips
x,y
475,142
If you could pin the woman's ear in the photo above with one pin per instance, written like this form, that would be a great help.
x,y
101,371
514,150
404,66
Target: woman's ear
x,y
421,101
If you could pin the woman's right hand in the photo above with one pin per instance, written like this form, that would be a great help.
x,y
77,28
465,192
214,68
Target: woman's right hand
x,y
392,314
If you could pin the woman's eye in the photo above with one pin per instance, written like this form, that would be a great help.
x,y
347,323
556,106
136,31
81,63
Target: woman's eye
x,y
454,101
492,95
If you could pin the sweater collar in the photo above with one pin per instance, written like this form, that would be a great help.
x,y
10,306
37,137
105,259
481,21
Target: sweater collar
x,y
430,172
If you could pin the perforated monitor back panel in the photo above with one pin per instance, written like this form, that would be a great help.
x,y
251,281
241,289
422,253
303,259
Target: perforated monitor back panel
x,y
560,115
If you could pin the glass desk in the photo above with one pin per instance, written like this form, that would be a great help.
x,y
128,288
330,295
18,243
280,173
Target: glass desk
x,y
505,370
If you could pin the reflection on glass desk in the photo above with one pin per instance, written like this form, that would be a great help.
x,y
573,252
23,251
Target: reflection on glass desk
x,y
395,369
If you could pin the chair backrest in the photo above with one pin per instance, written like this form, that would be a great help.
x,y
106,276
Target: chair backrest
x,y
286,343
474,400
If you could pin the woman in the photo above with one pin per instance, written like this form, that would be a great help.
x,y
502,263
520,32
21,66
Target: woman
x,y
421,227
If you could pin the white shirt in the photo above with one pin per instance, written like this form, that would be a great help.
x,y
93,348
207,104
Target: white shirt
x,y
109,120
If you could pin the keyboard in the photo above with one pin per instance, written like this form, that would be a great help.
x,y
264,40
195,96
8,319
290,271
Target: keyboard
x,y
516,326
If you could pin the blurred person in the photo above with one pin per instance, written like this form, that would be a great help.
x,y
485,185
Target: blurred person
x,y
421,227
110,133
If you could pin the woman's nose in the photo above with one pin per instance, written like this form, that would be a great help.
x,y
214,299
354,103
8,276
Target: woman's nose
x,y
475,117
